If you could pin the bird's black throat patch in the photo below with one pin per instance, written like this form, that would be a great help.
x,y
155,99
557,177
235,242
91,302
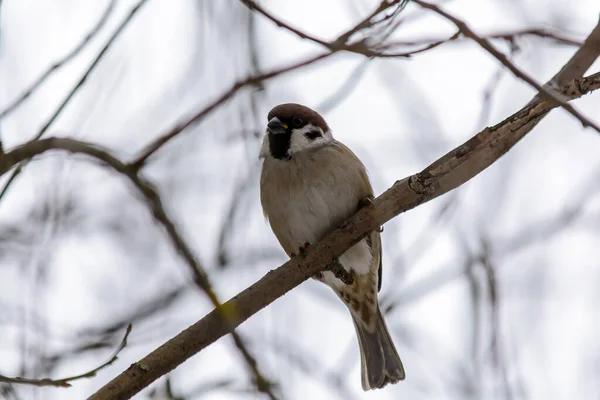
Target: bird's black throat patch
x,y
279,144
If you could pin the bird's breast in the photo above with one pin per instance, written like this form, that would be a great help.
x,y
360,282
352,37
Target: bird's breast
x,y
309,201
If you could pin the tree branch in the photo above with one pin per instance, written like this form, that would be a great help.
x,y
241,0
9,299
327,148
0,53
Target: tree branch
x,y
92,66
580,62
445,174
26,152
337,45
487,46
66,382
58,64
76,88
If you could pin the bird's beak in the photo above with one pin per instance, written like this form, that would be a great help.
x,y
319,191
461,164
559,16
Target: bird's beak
x,y
276,126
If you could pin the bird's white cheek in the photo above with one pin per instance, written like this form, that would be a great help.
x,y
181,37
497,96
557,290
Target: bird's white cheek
x,y
299,142
264,149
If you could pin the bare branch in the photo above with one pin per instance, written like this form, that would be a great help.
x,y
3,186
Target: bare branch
x,y
77,86
57,65
223,98
445,174
92,66
337,45
486,45
581,61
510,36
36,147
66,382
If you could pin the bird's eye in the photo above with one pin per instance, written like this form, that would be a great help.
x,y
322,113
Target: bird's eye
x,y
297,122
312,135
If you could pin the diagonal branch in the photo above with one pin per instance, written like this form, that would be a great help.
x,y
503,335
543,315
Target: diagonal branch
x,y
57,65
340,43
66,382
445,174
197,117
77,87
337,45
545,91
580,62
26,152
92,67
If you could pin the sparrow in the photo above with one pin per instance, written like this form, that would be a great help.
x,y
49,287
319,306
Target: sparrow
x,y
310,184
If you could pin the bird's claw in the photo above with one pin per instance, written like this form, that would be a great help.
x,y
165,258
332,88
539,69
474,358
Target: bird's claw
x,y
368,201
365,201
340,272
302,249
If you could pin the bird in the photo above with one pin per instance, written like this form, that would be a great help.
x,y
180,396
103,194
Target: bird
x,y
310,184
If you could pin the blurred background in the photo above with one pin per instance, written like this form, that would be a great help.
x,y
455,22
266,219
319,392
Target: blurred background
x,y
490,291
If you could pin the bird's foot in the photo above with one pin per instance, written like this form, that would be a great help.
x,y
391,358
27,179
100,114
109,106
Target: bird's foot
x,y
365,201
345,276
368,201
301,250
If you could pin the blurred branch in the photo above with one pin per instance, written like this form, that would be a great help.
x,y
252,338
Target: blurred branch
x,y
76,88
341,42
545,90
342,93
144,311
507,36
241,188
57,65
337,45
445,174
197,117
493,296
302,360
92,66
65,382
35,147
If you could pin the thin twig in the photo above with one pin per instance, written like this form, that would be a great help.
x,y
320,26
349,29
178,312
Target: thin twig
x,y
223,98
486,45
336,45
507,36
35,147
59,64
197,117
66,382
92,66
77,86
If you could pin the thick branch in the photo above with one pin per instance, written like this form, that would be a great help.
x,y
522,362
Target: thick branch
x,y
581,61
445,174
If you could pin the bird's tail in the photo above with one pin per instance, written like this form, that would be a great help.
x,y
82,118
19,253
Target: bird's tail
x,y
380,363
